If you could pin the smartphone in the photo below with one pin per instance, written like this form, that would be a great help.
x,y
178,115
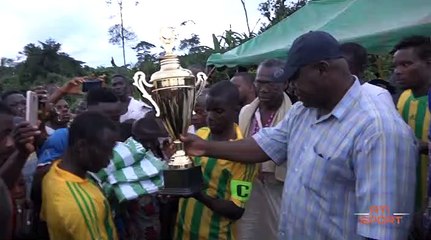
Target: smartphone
x,y
91,84
32,108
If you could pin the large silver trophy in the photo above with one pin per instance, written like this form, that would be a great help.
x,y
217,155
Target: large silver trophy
x,y
173,95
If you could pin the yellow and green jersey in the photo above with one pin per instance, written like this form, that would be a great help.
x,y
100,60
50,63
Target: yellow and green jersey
x,y
75,208
414,111
224,180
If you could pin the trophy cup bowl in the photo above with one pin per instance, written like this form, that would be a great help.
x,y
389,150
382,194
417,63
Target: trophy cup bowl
x,y
173,95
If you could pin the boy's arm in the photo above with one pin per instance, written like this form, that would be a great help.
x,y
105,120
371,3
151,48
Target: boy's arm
x,y
223,207
240,190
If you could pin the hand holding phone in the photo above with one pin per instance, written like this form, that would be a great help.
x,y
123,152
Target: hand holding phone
x,y
91,84
24,136
73,86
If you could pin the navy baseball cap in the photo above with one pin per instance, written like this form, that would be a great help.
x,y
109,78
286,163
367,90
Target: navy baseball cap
x,y
310,48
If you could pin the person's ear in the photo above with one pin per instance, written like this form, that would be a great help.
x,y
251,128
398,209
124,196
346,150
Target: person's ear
x,y
81,147
286,86
323,67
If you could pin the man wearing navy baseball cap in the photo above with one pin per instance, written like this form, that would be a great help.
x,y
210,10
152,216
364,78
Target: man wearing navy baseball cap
x,y
350,162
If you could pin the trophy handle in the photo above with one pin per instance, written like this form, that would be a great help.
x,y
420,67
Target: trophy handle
x,y
140,82
201,82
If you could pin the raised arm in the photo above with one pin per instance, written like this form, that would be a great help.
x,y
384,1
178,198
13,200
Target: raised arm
x,y
268,143
245,151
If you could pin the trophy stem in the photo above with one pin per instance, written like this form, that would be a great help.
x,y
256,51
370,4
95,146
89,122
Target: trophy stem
x,y
180,160
179,146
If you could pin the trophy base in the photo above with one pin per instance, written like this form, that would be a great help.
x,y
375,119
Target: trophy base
x,y
182,182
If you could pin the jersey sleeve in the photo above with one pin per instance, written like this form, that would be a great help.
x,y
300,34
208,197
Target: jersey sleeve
x,y
241,182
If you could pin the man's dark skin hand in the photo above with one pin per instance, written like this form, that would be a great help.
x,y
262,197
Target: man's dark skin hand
x,y
223,207
23,135
46,113
423,147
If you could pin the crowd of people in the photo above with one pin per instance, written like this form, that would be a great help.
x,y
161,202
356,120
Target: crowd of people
x,y
307,148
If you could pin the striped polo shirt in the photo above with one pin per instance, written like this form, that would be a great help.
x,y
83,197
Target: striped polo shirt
x,y
341,165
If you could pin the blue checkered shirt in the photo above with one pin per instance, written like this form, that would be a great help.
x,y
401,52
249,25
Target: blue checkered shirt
x,y
358,156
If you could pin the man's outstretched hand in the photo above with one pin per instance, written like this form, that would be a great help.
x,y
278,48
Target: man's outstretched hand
x,y
195,146
73,86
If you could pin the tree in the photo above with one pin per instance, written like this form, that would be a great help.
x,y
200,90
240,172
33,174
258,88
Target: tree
x,y
143,51
45,63
119,33
6,62
276,10
246,17
190,43
230,39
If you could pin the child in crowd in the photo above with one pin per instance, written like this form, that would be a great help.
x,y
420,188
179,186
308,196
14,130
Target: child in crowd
x,y
211,213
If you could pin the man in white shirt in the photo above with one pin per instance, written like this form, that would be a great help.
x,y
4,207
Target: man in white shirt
x,y
122,89
356,57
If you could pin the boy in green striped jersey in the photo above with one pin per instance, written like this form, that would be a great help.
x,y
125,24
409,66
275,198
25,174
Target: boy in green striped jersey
x,y
211,214
412,59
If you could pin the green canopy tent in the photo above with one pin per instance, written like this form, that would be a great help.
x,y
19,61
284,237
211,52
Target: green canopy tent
x,y
376,24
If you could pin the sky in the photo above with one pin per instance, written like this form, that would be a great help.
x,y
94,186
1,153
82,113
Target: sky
x,y
81,26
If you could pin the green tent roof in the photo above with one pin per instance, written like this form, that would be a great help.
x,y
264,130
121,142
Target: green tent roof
x,y
376,24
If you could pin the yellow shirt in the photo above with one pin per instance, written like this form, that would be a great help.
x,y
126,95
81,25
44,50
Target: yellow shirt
x,y
414,111
224,180
74,208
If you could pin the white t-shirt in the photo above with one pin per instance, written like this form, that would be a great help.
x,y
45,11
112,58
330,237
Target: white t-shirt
x,y
191,129
380,94
136,110
49,130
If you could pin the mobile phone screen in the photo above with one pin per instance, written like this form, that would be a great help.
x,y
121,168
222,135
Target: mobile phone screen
x,y
31,111
89,85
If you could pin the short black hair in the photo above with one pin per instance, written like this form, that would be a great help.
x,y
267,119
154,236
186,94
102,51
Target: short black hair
x,y
127,80
149,126
89,126
358,53
4,109
226,90
269,63
125,129
119,76
421,45
246,76
101,95
8,93
278,74
201,97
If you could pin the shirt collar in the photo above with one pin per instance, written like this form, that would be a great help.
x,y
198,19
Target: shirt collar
x,y
239,135
67,176
345,104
